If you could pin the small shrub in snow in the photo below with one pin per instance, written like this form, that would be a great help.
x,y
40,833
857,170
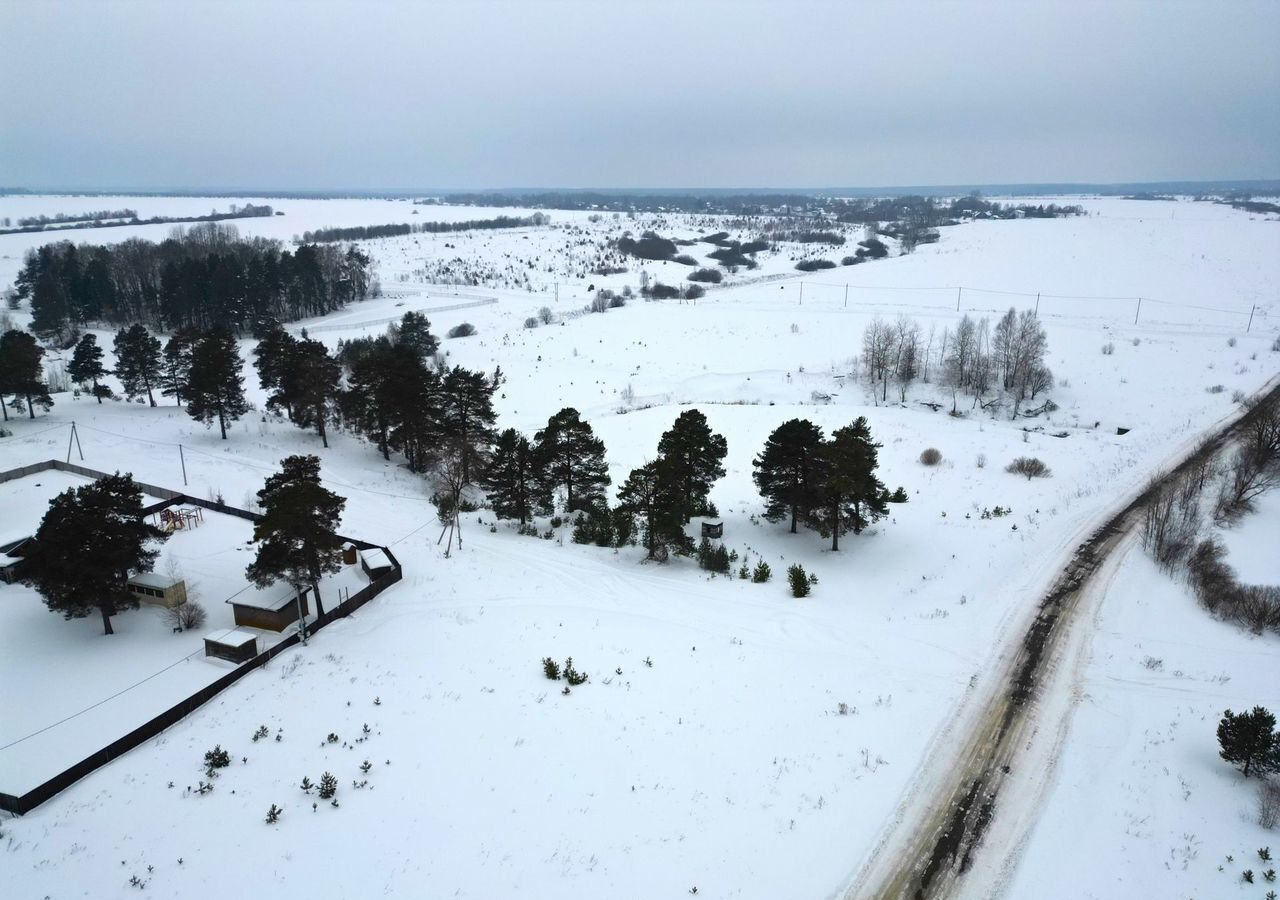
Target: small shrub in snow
x,y
1214,389
1231,342
217,758
899,496
187,615
550,668
931,456
466,329
1152,664
744,571
260,733
694,291
306,785
572,675
981,461
684,259
799,581
1108,348
711,276
1030,466
761,573
713,557
531,322
273,814
328,786
545,315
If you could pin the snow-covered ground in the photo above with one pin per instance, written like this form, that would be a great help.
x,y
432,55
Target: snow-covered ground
x,y
725,765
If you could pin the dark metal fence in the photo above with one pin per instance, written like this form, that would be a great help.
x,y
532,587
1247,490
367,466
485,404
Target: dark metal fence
x,y
24,803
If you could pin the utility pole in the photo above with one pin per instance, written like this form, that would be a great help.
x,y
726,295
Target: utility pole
x,y
958,290
846,296
74,436
1252,310
802,293
1136,311
557,292
183,460
1037,304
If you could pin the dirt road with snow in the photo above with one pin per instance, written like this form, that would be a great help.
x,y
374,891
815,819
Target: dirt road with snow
x,y
960,794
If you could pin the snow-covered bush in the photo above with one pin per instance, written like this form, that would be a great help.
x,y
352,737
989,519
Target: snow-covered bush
x,y
711,276
466,329
931,456
531,322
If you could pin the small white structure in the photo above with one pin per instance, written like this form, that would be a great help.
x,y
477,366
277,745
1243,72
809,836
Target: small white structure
x,y
375,563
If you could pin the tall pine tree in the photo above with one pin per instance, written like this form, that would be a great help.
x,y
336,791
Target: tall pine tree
x,y
652,493
851,497
274,360
137,362
786,471
87,544
315,378
571,456
215,387
86,365
1249,741
516,488
467,416
175,370
297,535
695,460
22,372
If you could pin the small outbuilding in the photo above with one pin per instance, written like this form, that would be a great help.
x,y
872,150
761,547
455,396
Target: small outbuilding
x,y
234,646
272,608
712,528
157,590
375,563
13,560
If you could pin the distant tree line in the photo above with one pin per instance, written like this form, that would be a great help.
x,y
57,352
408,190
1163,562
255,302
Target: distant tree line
x,y
730,204
130,217
368,232
205,277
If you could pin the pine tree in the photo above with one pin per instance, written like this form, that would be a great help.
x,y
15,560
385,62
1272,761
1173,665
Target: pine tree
x,y
1249,741
467,416
650,492
86,365
87,544
850,495
570,454
175,372
137,362
297,535
786,471
516,488
215,387
315,380
22,372
694,458
413,331
798,581
274,359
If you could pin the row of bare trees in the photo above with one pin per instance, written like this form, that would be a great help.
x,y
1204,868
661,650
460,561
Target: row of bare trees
x,y
1174,517
974,358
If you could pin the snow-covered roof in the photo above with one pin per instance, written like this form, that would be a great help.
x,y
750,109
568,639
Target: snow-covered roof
x,y
153,580
233,638
376,559
273,598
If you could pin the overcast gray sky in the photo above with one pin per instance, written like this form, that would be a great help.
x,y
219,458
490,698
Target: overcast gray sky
x,y
624,93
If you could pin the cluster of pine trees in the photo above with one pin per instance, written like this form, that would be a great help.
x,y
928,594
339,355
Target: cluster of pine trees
x,y
203,277
828,484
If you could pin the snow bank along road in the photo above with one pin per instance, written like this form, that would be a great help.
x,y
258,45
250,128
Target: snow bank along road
x,y
932,852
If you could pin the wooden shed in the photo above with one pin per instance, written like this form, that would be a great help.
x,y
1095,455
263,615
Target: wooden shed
x,y
235,646
13,559
158,590
712,528
375,563
273,608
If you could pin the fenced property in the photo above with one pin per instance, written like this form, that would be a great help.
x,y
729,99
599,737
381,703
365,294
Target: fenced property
x,y
28,800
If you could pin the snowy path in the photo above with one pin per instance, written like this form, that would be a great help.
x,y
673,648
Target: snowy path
x,y
1013,738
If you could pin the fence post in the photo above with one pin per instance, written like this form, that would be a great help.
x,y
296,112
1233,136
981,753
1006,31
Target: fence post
x,y
846,296
182,460
958,290
802,293
1136,311
1252,310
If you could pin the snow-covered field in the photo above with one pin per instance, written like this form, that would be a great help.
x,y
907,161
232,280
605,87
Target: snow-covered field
x,y
726,764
